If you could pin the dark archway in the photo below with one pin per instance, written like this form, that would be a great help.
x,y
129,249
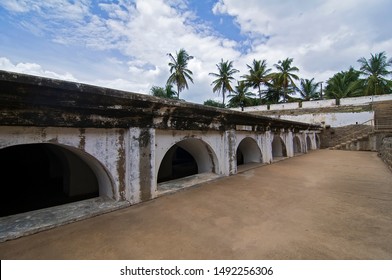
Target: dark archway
x,y
308,143
177,163
318,142
248,152
36,176
297,145
185,158
278,147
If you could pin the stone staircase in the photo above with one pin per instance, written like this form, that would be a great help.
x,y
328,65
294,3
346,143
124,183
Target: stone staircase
x,y
353,134
356,133
383,116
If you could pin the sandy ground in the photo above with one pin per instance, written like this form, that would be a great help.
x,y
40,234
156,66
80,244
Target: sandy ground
x,y
323,205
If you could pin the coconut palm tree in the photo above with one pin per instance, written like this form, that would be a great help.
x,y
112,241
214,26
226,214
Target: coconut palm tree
x,y
375,71
258,75
344,84
273,91
166,92
179,71
309,89
241,96
285,77
224,78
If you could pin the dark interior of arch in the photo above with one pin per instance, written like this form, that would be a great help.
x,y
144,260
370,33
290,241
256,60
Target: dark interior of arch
x,y
317,141
177,163
308,143
240,157
278,147
37,176
297,145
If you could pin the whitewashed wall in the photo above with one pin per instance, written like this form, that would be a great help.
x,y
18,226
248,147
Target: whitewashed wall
x,y
332,119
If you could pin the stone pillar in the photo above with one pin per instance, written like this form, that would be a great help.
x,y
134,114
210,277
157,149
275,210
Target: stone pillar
x,y
229,164
289,143
141,165
260,141
267,147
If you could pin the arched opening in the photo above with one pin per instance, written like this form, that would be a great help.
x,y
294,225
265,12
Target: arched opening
x,y
36,176
185,158
308,143
317,141
248,152
278,147
297,145
177,163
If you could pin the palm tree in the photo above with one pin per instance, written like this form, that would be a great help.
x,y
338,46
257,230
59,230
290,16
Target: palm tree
x,y
166,92
273,92
344,84
285,77
178,70
375,70
224,78
242,96
308,90
258,75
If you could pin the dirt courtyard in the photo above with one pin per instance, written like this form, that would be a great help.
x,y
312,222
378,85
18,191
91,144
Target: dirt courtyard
x,y
322,205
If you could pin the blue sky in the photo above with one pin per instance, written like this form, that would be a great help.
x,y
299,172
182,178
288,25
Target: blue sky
x,y
123,44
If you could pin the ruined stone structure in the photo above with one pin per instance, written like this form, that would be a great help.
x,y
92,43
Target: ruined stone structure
x,y
63,141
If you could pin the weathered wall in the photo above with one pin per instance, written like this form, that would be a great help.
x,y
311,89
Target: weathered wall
x,y
332,119
100,148
124,136
327,103
356,110
385,151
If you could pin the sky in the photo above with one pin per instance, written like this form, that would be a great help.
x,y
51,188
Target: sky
x,y
123,44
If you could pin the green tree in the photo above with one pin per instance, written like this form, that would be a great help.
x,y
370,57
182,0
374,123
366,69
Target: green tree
x,y
344,84
308,90
285,77
224,78
375,70
242,96
258,75
213,103
166,92
273,92
179,71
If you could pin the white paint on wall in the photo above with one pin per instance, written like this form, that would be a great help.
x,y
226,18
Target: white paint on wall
x,y
332,119
98,147
351,101
116,157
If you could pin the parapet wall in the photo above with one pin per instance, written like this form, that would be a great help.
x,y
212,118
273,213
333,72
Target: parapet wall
x,y
352,101
330,112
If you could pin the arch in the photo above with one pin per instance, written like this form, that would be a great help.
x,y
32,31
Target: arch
x,y
297,145
187,157
278,147
36,176
318,143
308,143
248,152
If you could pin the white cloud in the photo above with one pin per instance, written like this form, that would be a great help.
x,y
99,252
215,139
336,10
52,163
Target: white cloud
x,y
17,6
131,38
320,35
33,69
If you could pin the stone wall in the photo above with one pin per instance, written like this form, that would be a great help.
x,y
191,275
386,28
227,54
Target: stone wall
x,y
327,103
385,151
